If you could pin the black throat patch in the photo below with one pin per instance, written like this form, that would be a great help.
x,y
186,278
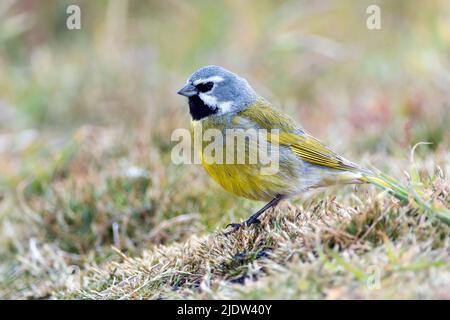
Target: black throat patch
x,y
199,109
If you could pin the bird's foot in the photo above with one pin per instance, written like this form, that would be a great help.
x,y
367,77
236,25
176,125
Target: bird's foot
x,y
236,226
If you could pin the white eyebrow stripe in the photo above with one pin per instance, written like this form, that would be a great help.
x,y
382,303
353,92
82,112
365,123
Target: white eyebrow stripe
x,y
210,79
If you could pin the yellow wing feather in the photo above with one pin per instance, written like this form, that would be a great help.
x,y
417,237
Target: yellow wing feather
x,y
305,146
313,151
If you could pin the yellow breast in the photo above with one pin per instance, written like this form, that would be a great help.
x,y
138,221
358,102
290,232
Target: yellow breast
x,y
245,180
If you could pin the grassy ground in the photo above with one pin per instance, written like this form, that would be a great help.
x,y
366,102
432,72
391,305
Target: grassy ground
x,y
98,231
91,205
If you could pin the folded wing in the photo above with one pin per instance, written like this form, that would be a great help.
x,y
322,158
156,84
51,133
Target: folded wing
x,y
305,146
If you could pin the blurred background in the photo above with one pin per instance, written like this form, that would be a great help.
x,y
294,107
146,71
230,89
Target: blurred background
x,y
86,115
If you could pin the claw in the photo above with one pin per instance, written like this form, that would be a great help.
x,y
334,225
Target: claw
x,y
235,227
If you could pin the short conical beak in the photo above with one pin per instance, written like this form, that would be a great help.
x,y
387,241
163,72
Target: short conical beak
x,y
188,90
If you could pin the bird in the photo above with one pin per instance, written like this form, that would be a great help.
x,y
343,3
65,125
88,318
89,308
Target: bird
x,y
221,100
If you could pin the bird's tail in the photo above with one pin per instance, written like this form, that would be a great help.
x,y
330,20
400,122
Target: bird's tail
x,y
405,195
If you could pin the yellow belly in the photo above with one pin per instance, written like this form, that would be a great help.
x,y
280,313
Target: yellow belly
x,y
246,181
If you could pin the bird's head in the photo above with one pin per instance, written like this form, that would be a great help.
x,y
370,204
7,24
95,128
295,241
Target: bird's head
x,y
213,90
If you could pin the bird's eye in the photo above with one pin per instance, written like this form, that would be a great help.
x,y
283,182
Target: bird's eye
x,y
205,87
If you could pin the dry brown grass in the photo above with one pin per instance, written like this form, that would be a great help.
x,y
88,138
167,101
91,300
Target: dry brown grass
x,y
323,250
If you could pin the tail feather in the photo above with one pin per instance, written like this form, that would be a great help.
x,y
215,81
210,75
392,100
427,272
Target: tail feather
x,y
406,196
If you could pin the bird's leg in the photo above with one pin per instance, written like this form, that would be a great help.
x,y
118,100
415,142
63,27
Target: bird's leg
x,y
254,217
